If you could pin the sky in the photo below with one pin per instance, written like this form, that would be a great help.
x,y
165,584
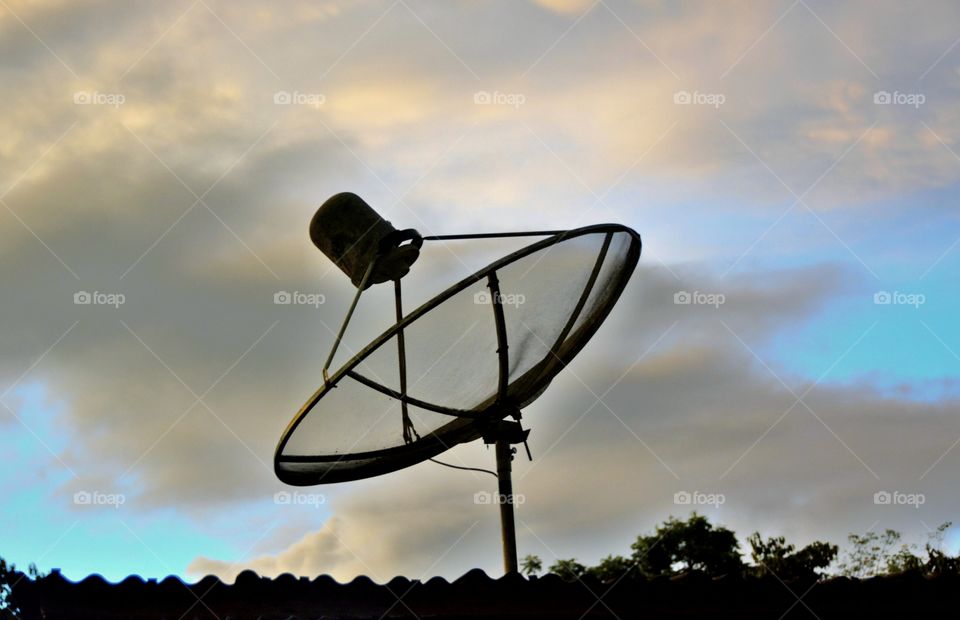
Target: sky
x,y
796,162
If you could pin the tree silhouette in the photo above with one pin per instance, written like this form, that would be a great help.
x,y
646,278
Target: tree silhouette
x,y
678,546
531,565
691,545
568,570
612,568
9,578
776,557
870,554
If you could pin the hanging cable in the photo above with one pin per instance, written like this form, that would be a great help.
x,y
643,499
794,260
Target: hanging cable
x,y
485,471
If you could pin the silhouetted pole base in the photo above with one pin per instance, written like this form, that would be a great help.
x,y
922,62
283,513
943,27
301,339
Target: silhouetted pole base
x,y
508,528
504,434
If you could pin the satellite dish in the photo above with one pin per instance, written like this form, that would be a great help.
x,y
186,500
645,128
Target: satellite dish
x,y
460,367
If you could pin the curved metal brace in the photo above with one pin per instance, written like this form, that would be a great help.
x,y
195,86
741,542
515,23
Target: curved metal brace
x,y
584,296
409,432
503,381
416,402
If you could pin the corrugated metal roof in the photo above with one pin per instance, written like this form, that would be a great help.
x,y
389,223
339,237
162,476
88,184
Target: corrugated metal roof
x,y
476,595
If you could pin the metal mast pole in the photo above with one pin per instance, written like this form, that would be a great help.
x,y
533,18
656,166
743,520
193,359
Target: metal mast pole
x,y
508,529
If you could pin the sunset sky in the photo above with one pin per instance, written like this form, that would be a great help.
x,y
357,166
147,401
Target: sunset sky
x,y
798,160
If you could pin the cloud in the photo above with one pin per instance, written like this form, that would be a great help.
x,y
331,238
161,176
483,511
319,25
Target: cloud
x,y
375,533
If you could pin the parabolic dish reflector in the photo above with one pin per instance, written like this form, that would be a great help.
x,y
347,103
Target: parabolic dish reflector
x,y
485,347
